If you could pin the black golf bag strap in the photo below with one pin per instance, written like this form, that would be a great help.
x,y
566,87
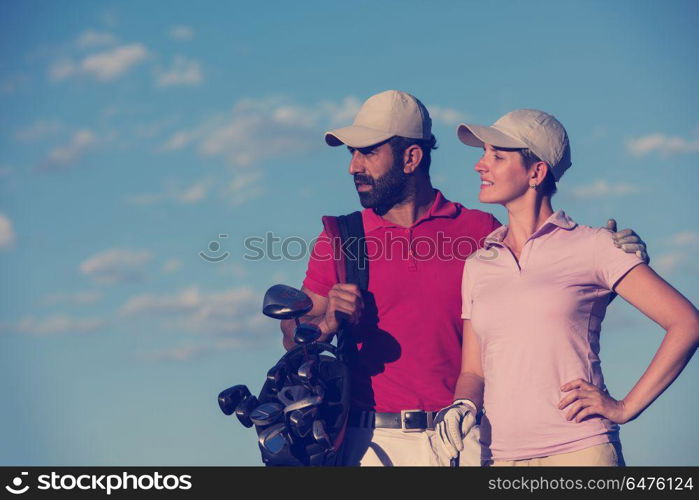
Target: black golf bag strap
x,y
351,229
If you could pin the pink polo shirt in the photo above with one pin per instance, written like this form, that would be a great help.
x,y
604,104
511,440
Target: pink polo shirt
x,y
538,324
410,333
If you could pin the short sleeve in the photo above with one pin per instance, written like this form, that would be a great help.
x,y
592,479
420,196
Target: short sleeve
x,y
466,295
321,274
611,263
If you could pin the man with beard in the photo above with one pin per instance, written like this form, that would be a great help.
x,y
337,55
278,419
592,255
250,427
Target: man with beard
x,y
408,323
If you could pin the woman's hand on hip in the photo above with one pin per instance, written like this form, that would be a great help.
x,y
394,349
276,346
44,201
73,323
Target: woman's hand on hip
x,y
584,400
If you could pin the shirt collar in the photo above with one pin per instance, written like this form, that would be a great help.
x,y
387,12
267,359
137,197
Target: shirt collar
x,y
557,219
441,207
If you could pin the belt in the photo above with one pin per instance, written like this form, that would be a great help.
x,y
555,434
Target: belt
x,y
407,420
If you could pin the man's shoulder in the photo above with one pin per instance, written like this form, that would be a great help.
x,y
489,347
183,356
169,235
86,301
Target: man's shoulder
x,y
472,213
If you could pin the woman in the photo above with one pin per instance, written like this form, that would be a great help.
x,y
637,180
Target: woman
x,y
533,302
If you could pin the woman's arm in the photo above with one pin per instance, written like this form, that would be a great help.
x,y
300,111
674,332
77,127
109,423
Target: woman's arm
x,y
655,298
469,385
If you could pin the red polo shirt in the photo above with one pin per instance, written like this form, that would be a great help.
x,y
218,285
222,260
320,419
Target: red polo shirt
x,y
409,337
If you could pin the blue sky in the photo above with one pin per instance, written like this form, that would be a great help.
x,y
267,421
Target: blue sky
x,y
133,134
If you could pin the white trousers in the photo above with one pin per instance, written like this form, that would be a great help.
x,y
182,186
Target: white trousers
x,y
394,447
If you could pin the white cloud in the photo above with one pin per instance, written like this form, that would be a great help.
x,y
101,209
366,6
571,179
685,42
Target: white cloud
x,y
104,66
116,265
71,153
667,145
180,353
681,254
191,194
172,265
235,312
341,113
182,72
7,232
601,188
243,187
54,325
91,38
39,130
259,129
182,33
178,141
194,193
109,65
62,69
445,116
76,298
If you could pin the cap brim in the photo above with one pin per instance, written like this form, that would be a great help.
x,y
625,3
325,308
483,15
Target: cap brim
x,y
356,137
478,135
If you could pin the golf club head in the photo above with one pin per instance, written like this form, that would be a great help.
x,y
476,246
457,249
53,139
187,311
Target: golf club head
x,y
275,446
306,333
320,435
311,400
292,393
230,398
317,455
308,371
277,375
266,413
301,421
285,302
244,409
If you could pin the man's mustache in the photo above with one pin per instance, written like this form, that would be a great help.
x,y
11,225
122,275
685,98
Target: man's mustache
x,y
363,179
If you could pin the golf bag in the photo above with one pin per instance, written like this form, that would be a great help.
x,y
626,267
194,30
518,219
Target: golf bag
x,y
301,412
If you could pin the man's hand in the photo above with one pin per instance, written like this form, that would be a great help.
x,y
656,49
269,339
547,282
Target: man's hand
x,y
628,241
344,303
452,424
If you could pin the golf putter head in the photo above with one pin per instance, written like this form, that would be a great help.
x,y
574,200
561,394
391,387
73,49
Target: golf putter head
x,y
244,409
230,398
285,302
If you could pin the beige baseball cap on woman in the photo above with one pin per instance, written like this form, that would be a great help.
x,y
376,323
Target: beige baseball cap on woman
x,y
540,132
381,117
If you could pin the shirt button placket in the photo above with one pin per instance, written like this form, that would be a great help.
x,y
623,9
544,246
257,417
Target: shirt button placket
x,y
412,264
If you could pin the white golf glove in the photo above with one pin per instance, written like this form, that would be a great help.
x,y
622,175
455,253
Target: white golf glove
x,y
452,424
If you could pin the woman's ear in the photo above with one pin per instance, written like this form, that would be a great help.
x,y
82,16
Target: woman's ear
x,y
538,172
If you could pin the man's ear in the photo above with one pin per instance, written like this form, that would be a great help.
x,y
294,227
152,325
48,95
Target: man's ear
x,y
412,158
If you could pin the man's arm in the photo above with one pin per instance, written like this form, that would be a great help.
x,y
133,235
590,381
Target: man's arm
x,y
344,301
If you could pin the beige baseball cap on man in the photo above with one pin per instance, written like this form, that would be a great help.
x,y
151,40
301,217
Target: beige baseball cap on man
x,y
382,116
540,132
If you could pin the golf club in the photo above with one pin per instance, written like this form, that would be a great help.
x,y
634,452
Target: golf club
x,y
229,398
266,413
244,409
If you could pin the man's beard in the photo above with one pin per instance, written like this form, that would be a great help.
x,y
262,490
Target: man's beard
x,y
386,191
